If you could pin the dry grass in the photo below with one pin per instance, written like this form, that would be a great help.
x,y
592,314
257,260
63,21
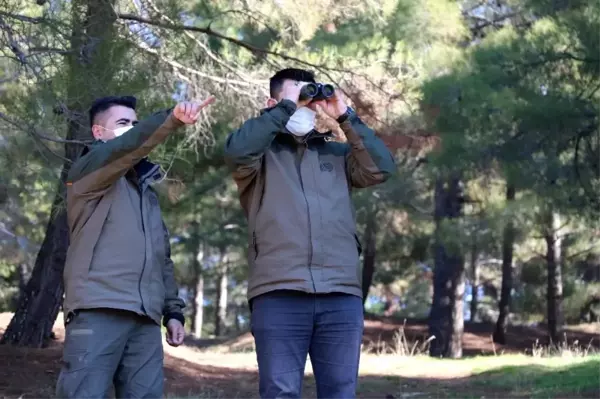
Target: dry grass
x,y
398,367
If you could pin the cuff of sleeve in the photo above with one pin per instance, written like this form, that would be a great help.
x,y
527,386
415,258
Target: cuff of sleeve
x,y
173,315
175,123
352,135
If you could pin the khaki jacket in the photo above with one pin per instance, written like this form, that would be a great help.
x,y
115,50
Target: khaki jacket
x,y
296,194
119,252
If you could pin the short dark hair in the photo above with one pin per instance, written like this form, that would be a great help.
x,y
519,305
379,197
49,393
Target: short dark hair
x,y
276,82
102,104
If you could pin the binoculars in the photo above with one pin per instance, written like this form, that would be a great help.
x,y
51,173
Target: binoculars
x,y
316,91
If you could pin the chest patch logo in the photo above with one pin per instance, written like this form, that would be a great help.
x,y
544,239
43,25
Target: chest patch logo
x,y
326,167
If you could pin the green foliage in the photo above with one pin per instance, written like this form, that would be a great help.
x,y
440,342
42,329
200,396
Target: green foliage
x,y
513,103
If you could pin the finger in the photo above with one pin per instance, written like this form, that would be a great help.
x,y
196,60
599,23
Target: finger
x,y
194,112
195,108
188,110
198,107
316,104
208,101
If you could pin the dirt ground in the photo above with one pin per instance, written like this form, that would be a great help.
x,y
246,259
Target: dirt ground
x,y
201,369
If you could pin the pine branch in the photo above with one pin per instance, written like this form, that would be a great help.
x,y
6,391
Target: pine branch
x,y
210,32
34,131
23,18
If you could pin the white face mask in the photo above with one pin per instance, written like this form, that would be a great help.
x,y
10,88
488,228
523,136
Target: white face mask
x,y
120,131
302,121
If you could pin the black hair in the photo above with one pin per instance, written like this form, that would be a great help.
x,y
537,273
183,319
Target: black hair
x,y
276,82
102,104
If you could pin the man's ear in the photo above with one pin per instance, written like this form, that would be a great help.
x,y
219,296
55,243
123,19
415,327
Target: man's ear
x,y
271,102
97,132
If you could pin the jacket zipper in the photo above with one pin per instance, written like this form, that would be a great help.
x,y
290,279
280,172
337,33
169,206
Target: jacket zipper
x,y
140,185
255,244
310,251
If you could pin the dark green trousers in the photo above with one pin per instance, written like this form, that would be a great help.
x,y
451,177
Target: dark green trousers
x,y
107,347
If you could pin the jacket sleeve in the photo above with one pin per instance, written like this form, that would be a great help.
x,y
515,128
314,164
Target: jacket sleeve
x,y
369,161
97,170
173,307
245,147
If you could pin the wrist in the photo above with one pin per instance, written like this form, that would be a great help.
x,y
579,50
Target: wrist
x,y
344,115
173,315
341,111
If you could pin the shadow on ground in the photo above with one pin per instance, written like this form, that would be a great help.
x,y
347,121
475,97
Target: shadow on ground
x,y
381,335
31,373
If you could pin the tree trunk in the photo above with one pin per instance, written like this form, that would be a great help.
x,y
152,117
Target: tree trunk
x,y
221,297
446,319
238,327
555,284
508,241
369,255
221,302
89,76
475,281
198,315
198,306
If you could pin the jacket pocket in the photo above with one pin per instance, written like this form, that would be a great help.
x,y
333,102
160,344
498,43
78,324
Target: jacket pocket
x,y
358,244
255,245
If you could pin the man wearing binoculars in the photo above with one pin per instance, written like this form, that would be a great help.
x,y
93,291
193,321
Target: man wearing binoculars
x,y
294,185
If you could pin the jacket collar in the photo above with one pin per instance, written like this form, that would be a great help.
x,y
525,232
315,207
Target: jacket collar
x,y
147,171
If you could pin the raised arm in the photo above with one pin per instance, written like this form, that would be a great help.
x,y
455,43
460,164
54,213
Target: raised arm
x,y
245,147
369,161
104,164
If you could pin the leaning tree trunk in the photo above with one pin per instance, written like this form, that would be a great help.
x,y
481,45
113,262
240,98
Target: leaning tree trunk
x,y
555,284
22,278
89,76
446,319
508,241
370,252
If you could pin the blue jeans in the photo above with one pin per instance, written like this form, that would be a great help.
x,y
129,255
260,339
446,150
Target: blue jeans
x,y
288,325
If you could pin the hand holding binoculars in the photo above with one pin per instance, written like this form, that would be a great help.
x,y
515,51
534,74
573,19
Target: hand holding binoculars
x,y
316,92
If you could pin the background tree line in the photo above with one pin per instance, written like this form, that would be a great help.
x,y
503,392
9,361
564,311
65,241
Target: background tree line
x,y
490,106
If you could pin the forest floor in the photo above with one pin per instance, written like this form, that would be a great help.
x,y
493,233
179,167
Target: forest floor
x,y
227,368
